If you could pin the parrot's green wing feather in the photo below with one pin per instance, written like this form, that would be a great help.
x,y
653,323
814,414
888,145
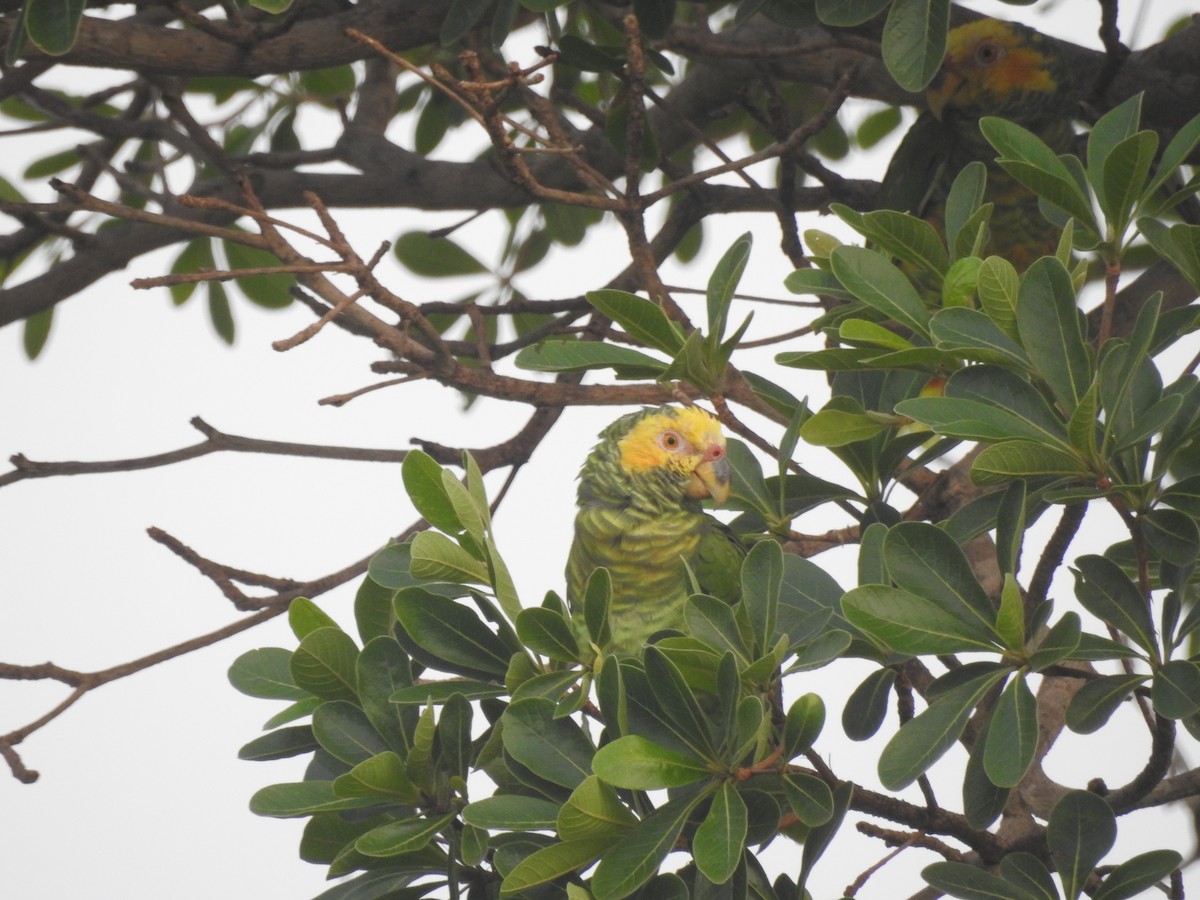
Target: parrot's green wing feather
x,y
718,562
916,168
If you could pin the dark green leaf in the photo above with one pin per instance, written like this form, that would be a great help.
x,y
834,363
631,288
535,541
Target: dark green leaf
x,y
874,280
571,355
921,741
345,732
1138,874
546,632
219,312
452,636
280,744
324,663
809,797
547,863
554,749
719,841
593,811
914,40
1176,689
819,837
911,624
1107,593
632,862
1095,702
642,319
435,257
403,836
1012,736
511,813
969,883
867,705
53,25
1080,832
302,799
266,673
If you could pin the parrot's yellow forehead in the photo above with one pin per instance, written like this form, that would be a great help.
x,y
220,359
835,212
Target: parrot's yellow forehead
x,y
675,437
989,58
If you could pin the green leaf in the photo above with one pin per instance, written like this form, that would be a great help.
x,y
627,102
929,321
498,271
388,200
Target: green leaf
x,y
454,736
552,748
344,731
437,558
831,427
873,279
272,290
969,883
266,673
1026,871
998,287
921,741
867,705
911,240
280,744
914,41
1176,689
555,861
435,257
1179,243
678,704
974,335
843,13
593,811
511,813
911,624
643,320
1172,535
380,776
802,727
452,637
1125,172
1095,702
720,840
638,764
53,25
1052,332
722,284
819,837
382,670
1080,832
1012,736
546,632
304,616
809,797
762,575
987,403
403,836
36,331
1059,643
596,599
302,799
983,802
1023,459
1107,593
1138,874
923,559
1030,161
324,662
632,862
424,485
572,355
219,312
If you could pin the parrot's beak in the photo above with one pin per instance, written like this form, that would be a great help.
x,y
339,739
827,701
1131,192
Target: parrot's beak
x,y
711,479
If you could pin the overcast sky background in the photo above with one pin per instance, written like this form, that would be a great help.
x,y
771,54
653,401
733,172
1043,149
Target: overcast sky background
x,y
141,794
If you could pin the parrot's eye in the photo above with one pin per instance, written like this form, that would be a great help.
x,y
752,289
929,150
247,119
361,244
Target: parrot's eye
x,y
988,53
670,440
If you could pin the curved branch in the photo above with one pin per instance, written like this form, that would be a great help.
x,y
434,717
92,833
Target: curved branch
x,y
216,441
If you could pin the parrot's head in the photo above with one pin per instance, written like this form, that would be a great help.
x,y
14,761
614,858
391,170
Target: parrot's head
x,y
997,68
658,457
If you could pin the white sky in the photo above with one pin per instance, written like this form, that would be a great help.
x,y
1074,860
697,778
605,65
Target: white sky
x,y
141,794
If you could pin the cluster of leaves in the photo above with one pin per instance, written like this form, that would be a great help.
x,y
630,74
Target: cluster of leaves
x,y
394,785
577,748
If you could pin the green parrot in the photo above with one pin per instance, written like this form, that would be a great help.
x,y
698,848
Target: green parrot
x,y
640,517
992,68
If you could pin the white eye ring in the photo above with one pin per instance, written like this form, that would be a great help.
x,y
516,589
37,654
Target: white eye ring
x,y
671,441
